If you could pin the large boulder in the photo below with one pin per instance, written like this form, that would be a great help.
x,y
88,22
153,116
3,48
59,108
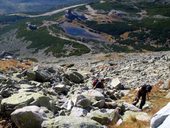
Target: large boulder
x,y
71,122
162,118
28,117
24,99
74,77
105,116
93,95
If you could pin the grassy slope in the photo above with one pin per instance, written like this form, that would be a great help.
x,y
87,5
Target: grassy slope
x,y
159,28
41,39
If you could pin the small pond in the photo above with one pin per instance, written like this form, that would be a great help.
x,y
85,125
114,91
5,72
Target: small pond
x,y
76,31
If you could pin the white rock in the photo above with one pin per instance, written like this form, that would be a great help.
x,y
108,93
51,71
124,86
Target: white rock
x,y
161,117
78,112
115,83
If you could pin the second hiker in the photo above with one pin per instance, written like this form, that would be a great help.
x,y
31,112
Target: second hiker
x,y
142,93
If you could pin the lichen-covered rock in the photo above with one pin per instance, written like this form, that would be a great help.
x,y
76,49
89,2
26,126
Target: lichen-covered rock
x,y
28,117
24,99
93,95
105,116
71,122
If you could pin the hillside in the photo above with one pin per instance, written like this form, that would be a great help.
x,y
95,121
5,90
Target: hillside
x,y
58,94
104,26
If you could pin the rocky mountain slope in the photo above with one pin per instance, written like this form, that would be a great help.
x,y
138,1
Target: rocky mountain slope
x,y
59,94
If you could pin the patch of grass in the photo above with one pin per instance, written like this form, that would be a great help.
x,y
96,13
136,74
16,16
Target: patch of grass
x,y
115,28
137,124
41,39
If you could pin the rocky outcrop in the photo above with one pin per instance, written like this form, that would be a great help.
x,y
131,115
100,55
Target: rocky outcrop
x,y
67,94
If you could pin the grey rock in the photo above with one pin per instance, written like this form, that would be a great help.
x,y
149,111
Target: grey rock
x,y
131,107
28,117
71,122
75,77
81,101
43,75
111,105
99,104
93,95
31,75
78,112
2,77
22,99
104,116
60,88
27,86
5,92
68,105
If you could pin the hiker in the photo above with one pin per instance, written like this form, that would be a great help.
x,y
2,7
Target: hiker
x,y
98,83
142,92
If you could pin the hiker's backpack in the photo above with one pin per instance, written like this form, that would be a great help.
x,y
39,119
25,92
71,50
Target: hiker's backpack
x,y
95,82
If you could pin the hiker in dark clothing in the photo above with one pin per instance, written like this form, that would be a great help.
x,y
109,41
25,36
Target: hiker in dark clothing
x,y
98,83
142,92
